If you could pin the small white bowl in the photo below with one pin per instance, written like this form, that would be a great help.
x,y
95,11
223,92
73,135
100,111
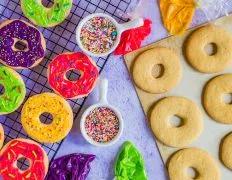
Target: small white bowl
x,y
102,103
119,27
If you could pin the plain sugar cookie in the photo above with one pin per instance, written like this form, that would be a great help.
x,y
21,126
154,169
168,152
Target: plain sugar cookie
x,y
142,70
226,151
205,166
197,56
213,98
188,131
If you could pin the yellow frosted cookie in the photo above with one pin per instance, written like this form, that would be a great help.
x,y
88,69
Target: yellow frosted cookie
x,y
198,159
203,61
1,136
190,127
50,103
144,64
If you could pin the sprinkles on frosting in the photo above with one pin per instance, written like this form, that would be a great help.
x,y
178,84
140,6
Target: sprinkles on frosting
x,y
98,35
102,124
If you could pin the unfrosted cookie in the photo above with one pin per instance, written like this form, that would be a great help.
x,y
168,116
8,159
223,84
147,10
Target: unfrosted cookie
x,y
190,127
196,158
226,151
142,70
213,98
197,56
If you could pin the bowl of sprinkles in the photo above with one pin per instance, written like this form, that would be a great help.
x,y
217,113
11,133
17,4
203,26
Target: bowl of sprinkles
x,y
101,124
99,34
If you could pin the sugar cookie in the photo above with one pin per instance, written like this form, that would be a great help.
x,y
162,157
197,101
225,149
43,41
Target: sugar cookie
x,y
197,56
190,127
23,148
57,107
226,151
205,166
213,98
14,90
1,135
142,70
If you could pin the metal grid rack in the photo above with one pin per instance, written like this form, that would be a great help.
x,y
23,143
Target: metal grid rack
x,y
59,39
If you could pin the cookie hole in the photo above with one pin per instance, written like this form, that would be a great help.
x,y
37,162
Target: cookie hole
x,y
2,89
73,75
20,45
176,121
211,49
192,173
47,3
23,163
157,71
227,98
46,118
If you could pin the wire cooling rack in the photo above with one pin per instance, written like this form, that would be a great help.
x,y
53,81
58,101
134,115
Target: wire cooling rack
x,y
59,39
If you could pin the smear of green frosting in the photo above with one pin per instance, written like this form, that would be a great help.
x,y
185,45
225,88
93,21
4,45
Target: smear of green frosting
x,y
43,16
130,164
14,91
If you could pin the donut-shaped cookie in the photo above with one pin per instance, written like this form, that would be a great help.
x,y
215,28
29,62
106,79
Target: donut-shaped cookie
x,y
1,136
50,103
23,148
14,90
43,16
62,63
13,31
191,121
213,98
199,59
198,159
142,70
226,151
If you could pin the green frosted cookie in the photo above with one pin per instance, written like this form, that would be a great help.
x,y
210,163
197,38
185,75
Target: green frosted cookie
x,y
14,90
43,16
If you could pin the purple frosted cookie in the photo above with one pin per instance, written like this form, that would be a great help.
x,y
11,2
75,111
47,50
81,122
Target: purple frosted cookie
x,y
21,44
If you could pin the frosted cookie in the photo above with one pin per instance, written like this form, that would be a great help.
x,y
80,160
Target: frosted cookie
x,y
198,159
144,64
1,136
226,151
213,98
23,148
198,57
191,121
62,117
14,90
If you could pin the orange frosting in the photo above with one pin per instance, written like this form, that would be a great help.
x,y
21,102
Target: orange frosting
x,y
177,14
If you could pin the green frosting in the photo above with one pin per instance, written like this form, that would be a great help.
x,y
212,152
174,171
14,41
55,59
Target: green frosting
x,y
130,164
43,16
14,90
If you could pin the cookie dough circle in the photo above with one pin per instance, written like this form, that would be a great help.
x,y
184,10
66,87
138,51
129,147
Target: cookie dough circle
x,y
197,56
59,109
213,98
142,70
198,159
226,151
190,128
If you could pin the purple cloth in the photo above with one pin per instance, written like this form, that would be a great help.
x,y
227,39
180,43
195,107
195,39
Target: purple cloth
x,y
18,30
70,167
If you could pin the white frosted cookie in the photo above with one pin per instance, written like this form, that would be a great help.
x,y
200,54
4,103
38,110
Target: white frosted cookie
x,y
142,70
190,127
198,159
